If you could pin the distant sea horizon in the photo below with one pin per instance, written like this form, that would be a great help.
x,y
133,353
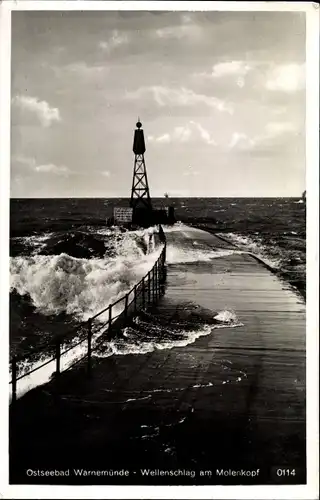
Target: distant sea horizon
x,y
152,197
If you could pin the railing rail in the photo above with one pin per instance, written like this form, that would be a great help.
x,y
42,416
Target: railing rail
x,y
144,293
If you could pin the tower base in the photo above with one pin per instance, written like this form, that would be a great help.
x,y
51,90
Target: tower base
x,y
141,217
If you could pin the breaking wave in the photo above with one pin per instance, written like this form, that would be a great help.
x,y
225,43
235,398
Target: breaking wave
x,y
182,248
82,287
145,336
227,317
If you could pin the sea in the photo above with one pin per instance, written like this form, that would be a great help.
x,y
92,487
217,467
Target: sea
x,y
66,264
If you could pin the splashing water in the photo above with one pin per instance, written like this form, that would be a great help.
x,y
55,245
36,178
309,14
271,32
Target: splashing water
x,y
227,317
135,340
83,287
176,255
254,246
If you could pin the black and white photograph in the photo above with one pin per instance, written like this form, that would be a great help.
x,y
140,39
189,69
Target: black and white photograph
x,y
157,290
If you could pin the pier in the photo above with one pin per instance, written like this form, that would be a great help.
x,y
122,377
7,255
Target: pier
x,y
232,399
90,334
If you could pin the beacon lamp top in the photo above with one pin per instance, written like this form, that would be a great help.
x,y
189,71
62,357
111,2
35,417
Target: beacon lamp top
x,y
139,147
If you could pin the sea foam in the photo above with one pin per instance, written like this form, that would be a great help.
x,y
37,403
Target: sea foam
x,y
82,287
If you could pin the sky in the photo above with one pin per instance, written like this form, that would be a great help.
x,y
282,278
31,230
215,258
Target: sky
x,y
221,97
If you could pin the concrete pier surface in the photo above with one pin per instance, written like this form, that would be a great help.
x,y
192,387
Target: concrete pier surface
x,y
229,399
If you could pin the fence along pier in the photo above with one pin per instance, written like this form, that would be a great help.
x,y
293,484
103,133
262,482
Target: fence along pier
x,y
141,296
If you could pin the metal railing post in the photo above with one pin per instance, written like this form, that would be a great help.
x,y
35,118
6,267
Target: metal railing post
x,y
163,263
126,306
14,379
156,280
110,318
149,288
159,271
135,298
143,295
89,344
160,277
58,356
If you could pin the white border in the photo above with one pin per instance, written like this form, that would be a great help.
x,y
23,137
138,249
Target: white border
x,y
5,93
312,186
309,491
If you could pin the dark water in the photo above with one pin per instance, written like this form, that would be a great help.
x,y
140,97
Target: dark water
x,y
274,215
66,265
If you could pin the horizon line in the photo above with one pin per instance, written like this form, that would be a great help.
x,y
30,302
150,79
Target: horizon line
x,y
128,197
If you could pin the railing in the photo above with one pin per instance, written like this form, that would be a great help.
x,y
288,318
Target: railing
x,y
140,297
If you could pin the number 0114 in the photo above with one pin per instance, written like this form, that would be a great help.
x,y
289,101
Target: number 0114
x,y
286,472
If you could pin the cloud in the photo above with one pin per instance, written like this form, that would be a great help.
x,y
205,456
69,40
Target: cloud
x,y
24,160
237,68
275,137
272,131
182,134
286,78
190,131
186,29
163,138
178,31
82,69
115,40
278,135
241,141
204,134
277,128
105,173
44,112
46,168
52,169
166,96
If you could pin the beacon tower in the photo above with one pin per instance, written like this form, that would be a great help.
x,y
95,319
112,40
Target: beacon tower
x,y
140,212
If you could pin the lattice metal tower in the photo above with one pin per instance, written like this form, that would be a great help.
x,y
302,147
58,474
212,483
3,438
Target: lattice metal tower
x,y
140,195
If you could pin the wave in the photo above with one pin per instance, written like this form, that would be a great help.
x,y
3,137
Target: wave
x,y
84,242
34,242
82,287
145,337
176,255
253,245
188,250
227,317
